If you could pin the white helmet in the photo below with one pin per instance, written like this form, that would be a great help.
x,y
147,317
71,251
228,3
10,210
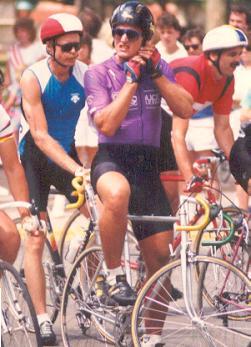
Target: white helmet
x,y
224,37
60,24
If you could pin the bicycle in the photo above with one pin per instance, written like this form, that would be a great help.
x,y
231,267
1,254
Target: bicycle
x,y
156,313
19,326
82,304
84,232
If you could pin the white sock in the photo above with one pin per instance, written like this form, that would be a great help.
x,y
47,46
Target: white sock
x,y
150,340
112,273
43,318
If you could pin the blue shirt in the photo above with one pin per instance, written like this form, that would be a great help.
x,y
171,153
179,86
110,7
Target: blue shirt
x,y
62,101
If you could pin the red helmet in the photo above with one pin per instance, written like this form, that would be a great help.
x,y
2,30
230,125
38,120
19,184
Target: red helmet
x,y
60,24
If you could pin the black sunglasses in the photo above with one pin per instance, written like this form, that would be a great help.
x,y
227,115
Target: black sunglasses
x,y
67,47
131,34
195,46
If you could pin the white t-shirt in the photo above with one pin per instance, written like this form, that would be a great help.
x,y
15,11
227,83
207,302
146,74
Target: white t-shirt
x,y
180,53
100,51
168,57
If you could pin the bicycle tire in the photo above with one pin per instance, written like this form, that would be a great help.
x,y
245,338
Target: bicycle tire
x,y
17,310
52,299
79,294
172,323
75,225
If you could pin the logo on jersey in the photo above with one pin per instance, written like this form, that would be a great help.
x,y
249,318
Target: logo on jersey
x,y
152,99
75,97
134,101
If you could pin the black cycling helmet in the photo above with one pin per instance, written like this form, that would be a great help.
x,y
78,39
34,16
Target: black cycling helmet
x,y
134,13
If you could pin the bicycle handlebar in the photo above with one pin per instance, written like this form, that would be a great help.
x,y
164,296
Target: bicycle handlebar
x,y
16,204
206,217
205,221
78,184
227,238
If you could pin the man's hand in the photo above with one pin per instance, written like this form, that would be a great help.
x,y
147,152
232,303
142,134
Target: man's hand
x,y
153,61
32,225
132,70
194,185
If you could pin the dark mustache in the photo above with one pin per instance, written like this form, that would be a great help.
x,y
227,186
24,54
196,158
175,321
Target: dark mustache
x,y
234,65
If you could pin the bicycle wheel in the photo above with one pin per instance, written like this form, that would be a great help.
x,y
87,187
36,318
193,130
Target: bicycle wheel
x,y
19,326
76,226
53,281
81,308
159,314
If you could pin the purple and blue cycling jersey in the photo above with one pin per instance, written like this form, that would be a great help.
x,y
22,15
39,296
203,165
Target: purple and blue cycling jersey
x,y
142,124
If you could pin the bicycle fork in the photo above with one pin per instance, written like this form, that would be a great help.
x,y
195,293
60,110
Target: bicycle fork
x,y
187,259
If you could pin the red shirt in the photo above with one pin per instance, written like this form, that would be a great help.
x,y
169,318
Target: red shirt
x,y
196,75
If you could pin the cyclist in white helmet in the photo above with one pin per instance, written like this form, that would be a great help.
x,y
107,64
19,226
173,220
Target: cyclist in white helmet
x,y
209,79
53,95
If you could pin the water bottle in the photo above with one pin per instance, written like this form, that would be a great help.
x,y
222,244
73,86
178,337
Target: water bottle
x,y
73,248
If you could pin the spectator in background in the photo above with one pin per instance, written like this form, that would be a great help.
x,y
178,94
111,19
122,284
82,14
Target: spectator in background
x,y
173,9
156,11
192,41
92,24
23,8
239,17
169,29
84,54
170,48
24,52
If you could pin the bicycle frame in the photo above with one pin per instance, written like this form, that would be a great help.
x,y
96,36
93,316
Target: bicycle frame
x,y
187,256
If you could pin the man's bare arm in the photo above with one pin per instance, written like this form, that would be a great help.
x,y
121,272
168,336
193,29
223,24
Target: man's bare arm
x,y
223,133
35,116
177,98
14,172
182,156
108,119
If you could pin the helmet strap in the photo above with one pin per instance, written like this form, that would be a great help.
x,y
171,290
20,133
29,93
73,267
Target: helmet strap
x,y
54,54
216,62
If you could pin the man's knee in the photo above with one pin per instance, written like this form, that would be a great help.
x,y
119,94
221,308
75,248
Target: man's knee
x,y
118,200
9,239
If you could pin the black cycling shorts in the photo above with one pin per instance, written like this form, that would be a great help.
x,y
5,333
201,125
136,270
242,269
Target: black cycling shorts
x,y
41,173
167,161
240,161
139,164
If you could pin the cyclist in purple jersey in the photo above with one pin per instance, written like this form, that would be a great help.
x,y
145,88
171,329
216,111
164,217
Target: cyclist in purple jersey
x,y
123,96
